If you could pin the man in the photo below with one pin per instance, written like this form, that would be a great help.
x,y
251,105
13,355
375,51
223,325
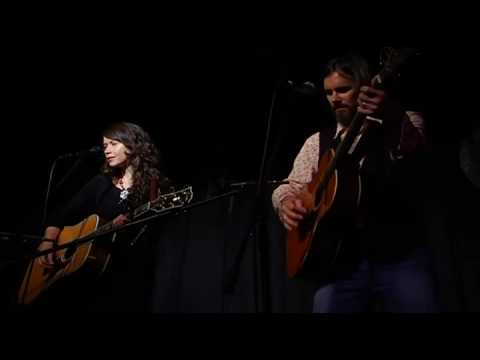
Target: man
x,y
385,265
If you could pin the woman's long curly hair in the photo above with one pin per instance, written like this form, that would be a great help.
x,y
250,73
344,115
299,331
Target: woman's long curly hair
x,y
143,156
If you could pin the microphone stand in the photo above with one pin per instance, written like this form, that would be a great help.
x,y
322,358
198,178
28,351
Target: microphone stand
x,y
142,221
47,195
80,158
256,230
30,255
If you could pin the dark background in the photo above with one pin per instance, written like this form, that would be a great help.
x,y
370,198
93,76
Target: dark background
x,y
205,101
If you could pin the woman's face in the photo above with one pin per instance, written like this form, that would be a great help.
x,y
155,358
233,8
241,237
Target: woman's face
x,y
116,153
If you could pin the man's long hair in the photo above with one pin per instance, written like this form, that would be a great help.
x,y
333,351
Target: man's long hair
x,y
143,157
352,65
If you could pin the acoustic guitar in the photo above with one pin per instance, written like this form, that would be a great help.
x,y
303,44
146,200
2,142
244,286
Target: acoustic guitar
x,y
335,191
88,256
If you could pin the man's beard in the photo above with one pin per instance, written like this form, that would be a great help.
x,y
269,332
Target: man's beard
x,y
344,118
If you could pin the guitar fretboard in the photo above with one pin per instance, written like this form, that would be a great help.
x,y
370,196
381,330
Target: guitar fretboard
x,y
163,202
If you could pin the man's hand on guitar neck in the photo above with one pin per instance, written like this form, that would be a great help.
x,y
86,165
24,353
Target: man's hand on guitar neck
x,y
291,212
377,103
371,101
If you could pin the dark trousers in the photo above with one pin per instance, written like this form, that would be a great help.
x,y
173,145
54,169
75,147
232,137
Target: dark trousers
x,y
404,286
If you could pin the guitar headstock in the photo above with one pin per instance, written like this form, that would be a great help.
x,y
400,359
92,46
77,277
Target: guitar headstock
x,y
393,61
172,200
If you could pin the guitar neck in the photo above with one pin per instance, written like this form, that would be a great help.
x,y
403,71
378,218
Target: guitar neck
x,y
342,148
162,202
135,214
352,133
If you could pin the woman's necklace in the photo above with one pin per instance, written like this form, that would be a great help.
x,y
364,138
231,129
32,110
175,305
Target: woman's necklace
x,y
124,193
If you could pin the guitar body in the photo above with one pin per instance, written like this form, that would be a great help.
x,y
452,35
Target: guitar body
x,y
308,254
40,277
92,258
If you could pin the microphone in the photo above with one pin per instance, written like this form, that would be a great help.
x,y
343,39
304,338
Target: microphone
x,y
93,150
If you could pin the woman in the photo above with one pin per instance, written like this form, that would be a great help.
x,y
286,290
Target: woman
x,y
129,178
